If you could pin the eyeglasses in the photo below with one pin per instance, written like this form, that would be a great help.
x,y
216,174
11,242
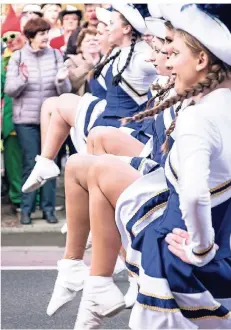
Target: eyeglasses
x,y
10,37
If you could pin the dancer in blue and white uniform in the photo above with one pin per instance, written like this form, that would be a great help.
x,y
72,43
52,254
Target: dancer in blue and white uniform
x,y
185,282
127,80
131,295
128,141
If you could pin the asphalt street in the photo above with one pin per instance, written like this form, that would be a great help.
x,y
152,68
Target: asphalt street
x,y
25,296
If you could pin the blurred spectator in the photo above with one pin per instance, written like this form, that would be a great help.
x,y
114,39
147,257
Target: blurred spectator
x,y
30,11
12,153
90,22
51,14
88,54
70,19
34,73
148,37
106,6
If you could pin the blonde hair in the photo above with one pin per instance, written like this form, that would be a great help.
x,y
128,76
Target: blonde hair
x,y
217,73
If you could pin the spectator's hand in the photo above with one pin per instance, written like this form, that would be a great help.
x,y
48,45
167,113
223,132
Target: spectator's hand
x,y
62,74
23,70
75,60
90,60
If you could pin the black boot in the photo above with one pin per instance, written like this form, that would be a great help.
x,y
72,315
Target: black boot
x,y
50,217
25,219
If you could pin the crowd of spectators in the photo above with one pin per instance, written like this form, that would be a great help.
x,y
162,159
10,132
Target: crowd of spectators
x,y
46,50
33,49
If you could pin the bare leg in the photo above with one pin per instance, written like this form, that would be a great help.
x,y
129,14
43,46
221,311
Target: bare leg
x,y
48,106
62,119
111,140
77,205
108,178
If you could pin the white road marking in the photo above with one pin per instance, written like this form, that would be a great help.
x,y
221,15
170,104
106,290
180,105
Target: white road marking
x,y
28,268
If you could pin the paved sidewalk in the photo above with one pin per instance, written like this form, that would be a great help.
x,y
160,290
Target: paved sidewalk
x,y
10,221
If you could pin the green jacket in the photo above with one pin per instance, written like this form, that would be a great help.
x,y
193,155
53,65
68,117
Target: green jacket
x,y
7,125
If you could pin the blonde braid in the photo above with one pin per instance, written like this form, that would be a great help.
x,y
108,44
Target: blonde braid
x,y
155,87
165,145
212,80
161,92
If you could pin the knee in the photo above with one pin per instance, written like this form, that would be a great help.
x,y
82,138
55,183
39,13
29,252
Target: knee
x,y
72,163
67,106
50,103
76,166
96,134
98,168
67,101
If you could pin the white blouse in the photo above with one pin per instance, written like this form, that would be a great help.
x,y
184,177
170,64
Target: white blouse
x,y
201,158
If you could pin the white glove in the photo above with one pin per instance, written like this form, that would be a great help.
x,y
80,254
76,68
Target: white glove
x,y
197,260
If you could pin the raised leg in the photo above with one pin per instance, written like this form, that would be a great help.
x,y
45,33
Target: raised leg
x,y
77,204
48,106
62,119
71,269
111,140
107,179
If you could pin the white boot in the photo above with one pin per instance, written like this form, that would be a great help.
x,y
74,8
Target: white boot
x,y
45,169
132,293
119,266
101,297
64,228
70,279
89,242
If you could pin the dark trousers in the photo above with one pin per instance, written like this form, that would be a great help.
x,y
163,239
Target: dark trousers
x,y
29,140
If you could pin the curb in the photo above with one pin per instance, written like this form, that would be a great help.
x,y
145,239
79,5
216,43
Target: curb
x,y
36,227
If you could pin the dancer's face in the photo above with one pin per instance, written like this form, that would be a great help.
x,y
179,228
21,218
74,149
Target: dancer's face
x,y
188,66
117,29
102,36
161,58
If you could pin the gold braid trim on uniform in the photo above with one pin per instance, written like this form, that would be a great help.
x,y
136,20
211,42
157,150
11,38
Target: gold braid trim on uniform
x,y
148,214
203,252
159,309
219,186
156,296
197,308
132,273
141,164
132,263
211,316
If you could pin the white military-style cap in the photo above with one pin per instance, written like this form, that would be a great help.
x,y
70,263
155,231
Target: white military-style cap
x,y
204,26
156,26
32,9
132,15
103,15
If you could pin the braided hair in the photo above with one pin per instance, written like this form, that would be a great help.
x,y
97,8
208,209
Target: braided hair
x,y
99,67
217,74
162,92
165,145
117,79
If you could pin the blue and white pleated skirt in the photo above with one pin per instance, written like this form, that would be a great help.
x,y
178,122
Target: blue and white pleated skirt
x,y
172,294
89,109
